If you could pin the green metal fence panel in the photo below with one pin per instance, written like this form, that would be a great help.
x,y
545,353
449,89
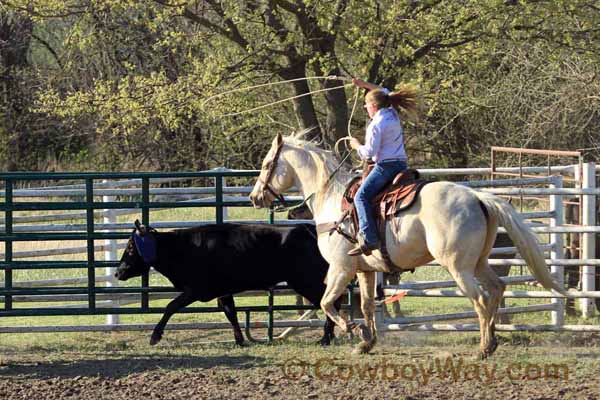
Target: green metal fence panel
x,y
90,204
8,244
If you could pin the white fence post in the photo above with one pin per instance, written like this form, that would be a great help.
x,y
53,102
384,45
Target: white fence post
x,y
225,212
110,254
556,205
588,246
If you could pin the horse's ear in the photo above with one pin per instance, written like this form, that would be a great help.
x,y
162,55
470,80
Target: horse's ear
x,y
278,140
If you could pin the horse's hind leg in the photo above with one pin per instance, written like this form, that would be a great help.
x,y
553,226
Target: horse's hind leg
x,y
495,288
393,278
466,282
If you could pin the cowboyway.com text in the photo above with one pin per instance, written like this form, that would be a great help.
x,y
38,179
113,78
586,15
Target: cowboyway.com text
x,y
422,372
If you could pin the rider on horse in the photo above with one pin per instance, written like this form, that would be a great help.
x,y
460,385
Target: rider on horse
x,y
384,146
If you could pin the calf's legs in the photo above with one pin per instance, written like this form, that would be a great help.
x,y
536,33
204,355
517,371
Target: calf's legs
x,y
228,306
183,300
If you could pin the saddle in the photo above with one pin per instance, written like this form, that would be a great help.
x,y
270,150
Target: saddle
x,y
396,197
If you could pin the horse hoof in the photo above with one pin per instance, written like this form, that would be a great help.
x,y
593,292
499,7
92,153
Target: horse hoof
x,y
350,325
365,333
362,348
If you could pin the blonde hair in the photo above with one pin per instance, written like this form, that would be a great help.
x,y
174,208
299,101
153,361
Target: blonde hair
x,y
404,99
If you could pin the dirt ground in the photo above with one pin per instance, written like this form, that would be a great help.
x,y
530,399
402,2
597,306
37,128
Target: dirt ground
x,y
402,366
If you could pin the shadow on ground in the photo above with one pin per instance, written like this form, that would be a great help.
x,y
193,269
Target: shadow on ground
x,y
118,368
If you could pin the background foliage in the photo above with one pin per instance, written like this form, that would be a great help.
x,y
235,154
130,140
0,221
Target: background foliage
x,y
121,85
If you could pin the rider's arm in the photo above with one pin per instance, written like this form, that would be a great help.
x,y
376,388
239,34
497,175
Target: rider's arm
x,y
365,85
372,142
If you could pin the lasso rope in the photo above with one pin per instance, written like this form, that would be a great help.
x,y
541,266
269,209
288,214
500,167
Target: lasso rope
x,y
307,78
329,77
284,100
344,139
349,137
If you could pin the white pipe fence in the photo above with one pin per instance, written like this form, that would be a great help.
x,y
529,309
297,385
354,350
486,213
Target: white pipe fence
x,y
588,250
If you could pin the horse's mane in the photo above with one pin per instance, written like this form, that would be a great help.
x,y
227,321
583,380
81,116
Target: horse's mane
x,y
324,159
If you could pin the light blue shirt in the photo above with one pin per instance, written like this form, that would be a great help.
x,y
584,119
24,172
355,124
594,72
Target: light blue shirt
x,y
384,138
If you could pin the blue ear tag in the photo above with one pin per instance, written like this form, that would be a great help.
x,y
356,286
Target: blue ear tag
x,y
146,247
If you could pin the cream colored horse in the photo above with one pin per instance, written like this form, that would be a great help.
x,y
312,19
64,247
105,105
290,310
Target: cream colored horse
x,y
450,223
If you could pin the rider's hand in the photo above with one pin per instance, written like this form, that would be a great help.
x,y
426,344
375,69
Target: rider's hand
x,y
358,82
354,143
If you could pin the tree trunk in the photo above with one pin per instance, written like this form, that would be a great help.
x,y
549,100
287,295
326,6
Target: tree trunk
x,y
337,111
303,106
15,38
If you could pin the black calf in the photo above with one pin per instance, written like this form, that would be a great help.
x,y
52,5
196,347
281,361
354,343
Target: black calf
x,y
217,261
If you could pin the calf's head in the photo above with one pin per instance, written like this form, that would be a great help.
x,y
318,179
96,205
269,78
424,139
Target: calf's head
x,y
139,254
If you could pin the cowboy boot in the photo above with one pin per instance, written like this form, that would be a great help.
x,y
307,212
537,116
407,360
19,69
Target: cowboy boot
x,y
363,247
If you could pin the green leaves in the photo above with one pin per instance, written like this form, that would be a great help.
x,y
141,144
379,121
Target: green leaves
x,y
128,79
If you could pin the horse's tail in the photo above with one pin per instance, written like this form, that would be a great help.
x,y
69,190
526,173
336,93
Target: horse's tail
x,y
523,237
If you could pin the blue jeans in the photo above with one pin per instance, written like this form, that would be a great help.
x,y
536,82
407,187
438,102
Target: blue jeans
x,y
382,174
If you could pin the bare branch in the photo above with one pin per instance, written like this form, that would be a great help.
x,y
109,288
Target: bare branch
x,y
49,48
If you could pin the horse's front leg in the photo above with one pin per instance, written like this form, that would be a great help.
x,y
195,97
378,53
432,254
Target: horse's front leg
x,y
183,300
338,278
366,281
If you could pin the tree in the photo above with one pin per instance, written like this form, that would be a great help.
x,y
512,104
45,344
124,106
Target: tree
x,y
129,79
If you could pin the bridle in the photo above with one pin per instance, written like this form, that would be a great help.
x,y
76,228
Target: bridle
x,y
267,182
273,164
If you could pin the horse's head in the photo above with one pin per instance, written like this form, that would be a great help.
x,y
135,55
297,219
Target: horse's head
x,y
276,176
139,254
